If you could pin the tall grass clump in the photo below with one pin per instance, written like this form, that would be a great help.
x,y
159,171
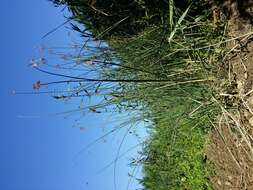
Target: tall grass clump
x,y
161,61
180,106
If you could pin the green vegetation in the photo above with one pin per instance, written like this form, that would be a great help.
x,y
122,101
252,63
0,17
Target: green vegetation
x,y
124,17
180,108
168,72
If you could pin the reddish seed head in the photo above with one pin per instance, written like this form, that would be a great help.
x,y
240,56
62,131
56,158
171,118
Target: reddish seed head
x,y
36,85
36,63
88,62
94,110
42,60
33,63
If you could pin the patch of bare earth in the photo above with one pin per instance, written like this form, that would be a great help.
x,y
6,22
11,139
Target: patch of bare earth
x,y
230,145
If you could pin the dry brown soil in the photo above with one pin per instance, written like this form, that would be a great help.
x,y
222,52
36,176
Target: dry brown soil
x,y
230,145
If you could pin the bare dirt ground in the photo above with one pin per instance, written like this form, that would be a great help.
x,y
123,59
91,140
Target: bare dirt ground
x,y
230,145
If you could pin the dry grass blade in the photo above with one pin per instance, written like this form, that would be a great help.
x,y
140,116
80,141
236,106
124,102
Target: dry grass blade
x,y
172,34
225,143
171,13
241,129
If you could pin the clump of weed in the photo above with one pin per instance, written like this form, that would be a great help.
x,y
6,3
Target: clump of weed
x,y
166,71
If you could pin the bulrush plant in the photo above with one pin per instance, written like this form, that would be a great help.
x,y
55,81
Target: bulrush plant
x,y
162,64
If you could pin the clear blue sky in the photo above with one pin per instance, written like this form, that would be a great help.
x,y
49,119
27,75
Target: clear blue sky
x,y
38,151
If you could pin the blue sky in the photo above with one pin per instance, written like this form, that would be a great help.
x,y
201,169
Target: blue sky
x,y
38,149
